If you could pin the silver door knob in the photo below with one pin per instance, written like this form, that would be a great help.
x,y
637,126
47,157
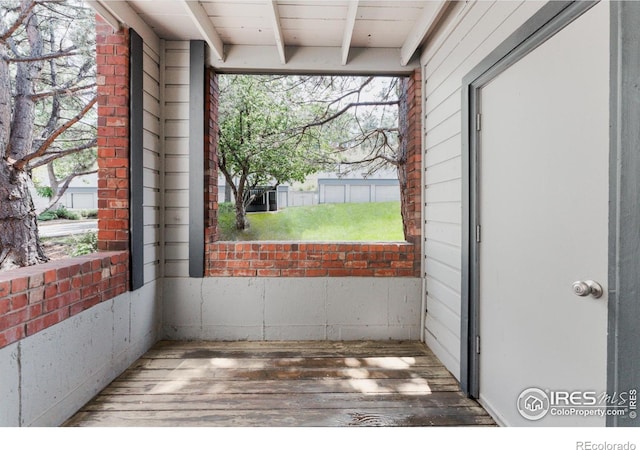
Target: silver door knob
x,y
587,287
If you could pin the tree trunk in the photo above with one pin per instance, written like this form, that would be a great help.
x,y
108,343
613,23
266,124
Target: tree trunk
x,y
401,157
241,214
405,198
19,242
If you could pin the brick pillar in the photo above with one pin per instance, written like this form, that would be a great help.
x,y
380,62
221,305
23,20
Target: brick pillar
x,y
211,165
414,154
112,53
410,123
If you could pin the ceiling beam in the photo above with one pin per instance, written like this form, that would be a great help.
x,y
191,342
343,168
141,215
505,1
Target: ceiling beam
x,y
348,30
202,22
277,29
431,13
314,60
123,13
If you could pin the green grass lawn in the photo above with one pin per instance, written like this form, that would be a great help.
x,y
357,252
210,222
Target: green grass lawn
x,y
328,222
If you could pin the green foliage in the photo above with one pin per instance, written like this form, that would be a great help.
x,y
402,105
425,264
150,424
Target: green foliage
x,y
64,213
257,145
378,222
49,215
83,244
89,213
60,213
45,192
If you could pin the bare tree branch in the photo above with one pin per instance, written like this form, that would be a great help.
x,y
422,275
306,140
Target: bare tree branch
x,y
43,147
52,156
334,116
19,21
61,54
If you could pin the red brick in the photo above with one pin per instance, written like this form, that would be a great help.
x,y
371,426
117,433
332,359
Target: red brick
x,y
5,305
46,321
11,335
36,295
36,280
13,319
268,272
19,285
51,291
316,272
5,288
19,301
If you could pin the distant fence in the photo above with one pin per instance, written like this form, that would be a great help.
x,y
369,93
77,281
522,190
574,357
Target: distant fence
x,y
336,190
333,190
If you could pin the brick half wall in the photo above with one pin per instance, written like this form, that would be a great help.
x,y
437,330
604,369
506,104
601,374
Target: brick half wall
x,y
38,297
284,259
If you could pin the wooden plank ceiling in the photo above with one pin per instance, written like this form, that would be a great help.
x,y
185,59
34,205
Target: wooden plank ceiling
x,y
302,36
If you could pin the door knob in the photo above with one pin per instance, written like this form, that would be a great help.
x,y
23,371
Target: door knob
x,y
588,287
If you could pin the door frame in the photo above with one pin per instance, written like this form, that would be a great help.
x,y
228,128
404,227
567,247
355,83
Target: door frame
x,y
623,351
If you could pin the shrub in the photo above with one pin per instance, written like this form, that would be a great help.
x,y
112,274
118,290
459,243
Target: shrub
x,y
64,213
47,216
89,213
84,244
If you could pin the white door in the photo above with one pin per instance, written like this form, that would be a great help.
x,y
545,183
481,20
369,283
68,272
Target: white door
x,y
543,193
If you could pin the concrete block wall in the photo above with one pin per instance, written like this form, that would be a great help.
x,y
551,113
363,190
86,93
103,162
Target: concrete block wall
x,y
48,376
329,308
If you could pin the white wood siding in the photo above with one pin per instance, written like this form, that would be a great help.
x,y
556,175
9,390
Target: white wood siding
x,y
468,34
176,159
152,177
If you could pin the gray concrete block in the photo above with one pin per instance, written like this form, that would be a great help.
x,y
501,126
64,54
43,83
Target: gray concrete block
x,y
369,332
233,301
9,386
121,324
182,332
182,302
404,301
357,301
295,301
296,333
232,333
57,362
146,315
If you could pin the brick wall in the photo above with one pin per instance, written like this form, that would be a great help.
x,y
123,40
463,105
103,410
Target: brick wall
x,y
413,139
37,297
112,53
304,259
290,259
211,160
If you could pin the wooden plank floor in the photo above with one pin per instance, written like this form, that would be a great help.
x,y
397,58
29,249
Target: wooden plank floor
x,y
281,384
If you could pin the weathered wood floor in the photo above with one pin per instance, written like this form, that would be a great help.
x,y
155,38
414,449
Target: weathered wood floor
x,y
282,384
